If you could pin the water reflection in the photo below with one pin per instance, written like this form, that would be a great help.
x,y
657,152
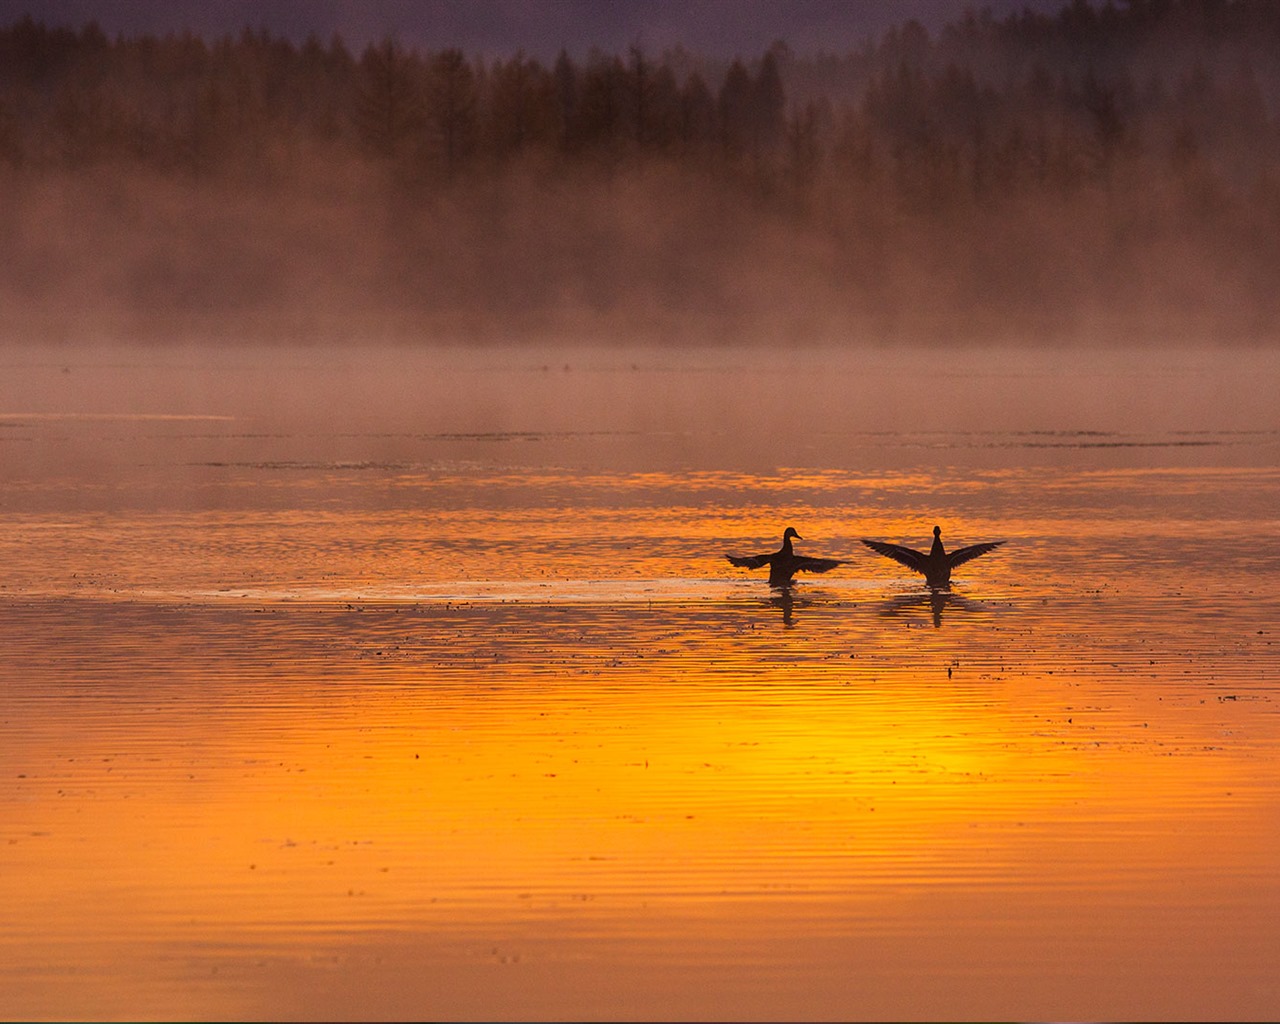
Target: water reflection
x,y
272,745
641,791
793,599
935,599
784,599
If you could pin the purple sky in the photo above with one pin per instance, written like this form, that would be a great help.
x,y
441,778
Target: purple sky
x,y
717,28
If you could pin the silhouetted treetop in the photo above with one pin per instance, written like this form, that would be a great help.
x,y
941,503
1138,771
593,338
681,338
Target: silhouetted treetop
x,y
1113,75
1127,126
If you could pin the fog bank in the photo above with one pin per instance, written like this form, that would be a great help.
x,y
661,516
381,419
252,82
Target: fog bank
x,y
1104,176
652,255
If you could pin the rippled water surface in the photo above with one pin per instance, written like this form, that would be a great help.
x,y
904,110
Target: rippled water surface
x,y
393,685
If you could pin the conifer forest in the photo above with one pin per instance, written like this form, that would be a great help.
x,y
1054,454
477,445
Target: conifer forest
x,y
1103,174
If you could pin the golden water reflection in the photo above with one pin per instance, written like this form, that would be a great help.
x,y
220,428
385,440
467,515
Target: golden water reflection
x,y
454,709
311,786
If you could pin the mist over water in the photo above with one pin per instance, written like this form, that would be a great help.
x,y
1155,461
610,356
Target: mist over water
x,y
720,408
655,256
1102,177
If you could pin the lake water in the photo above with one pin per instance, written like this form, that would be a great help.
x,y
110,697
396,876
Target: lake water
x,y
382,684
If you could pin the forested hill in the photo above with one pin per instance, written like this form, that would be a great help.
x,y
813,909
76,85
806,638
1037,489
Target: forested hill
x,y
1104,174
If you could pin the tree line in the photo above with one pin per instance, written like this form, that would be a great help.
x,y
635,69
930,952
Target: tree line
x,y
1155,122
1050,98
72,98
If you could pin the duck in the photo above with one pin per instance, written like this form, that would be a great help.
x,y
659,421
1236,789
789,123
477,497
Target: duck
x,y
936,566
784,563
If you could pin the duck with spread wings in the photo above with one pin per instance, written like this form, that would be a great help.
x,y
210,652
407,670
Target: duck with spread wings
x,y
784,563
935,566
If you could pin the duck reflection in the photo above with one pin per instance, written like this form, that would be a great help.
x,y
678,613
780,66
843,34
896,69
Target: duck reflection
x,y
784,598
935,599
791,599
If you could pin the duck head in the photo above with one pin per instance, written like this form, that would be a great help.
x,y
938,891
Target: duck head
x,y
791,532
937,532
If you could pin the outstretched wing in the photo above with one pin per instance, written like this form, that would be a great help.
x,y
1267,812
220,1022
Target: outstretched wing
x,y
909,557
962,555
749,561
807,564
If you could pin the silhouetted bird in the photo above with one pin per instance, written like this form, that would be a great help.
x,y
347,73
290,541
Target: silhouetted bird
x,y
936,566
784,563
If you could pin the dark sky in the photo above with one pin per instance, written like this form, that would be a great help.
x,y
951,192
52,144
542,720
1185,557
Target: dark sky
x,y
716,28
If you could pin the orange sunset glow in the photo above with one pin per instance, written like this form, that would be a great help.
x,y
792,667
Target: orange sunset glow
x,y
639,511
